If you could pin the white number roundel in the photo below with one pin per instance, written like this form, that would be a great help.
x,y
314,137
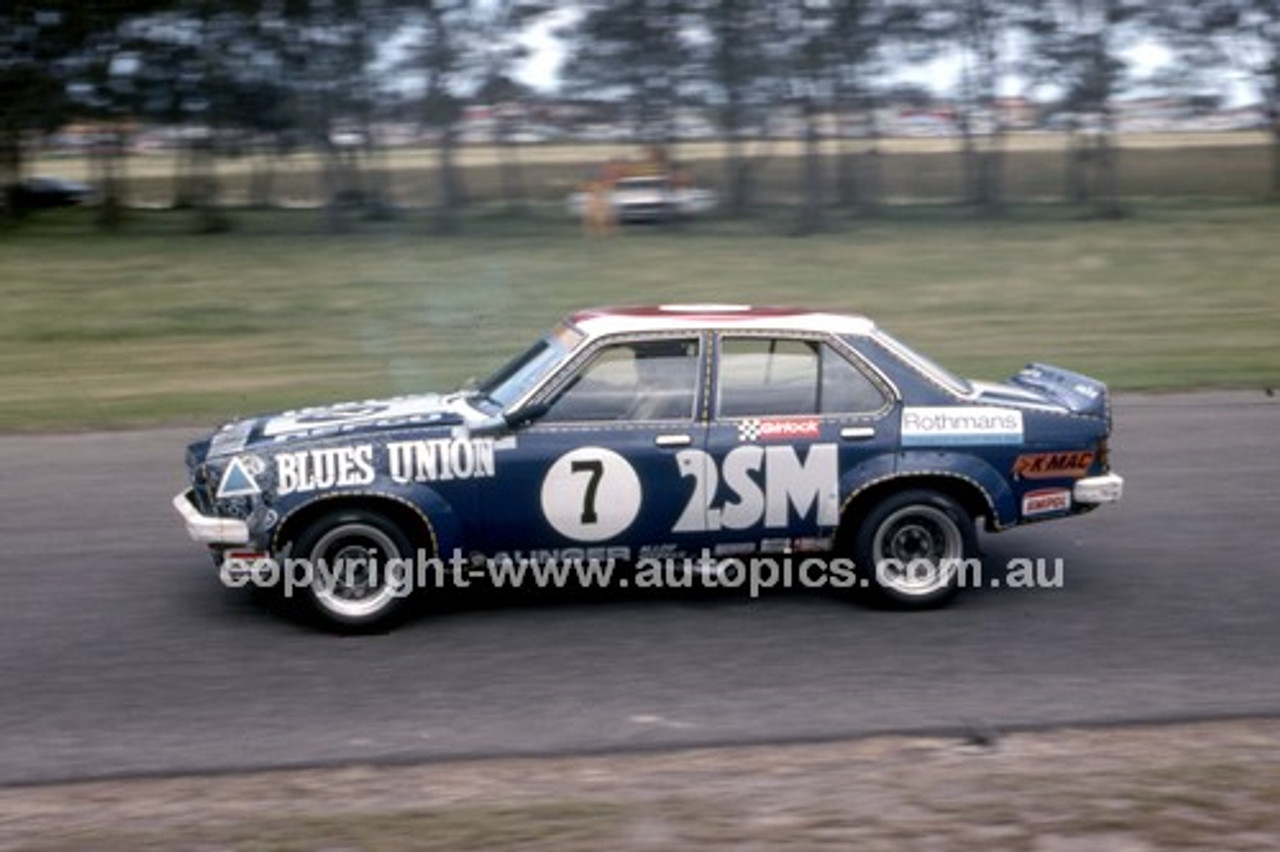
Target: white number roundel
x,y
591,494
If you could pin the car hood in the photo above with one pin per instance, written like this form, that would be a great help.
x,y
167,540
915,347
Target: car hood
x,y
270,431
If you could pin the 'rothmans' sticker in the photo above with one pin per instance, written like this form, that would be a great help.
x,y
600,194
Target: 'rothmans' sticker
x,y
957,425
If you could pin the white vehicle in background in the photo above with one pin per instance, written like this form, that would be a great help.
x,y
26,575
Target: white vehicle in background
x,y
650,198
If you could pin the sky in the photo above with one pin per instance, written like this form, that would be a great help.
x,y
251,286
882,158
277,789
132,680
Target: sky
x,y
542,67
1146,57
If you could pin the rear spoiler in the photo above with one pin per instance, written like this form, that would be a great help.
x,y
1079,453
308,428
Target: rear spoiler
x,y
1076,392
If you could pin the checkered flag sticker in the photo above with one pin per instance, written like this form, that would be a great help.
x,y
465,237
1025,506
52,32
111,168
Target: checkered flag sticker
x,y
749,430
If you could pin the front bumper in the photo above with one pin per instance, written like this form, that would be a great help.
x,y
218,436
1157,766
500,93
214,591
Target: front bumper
x,y
1095,490
208,529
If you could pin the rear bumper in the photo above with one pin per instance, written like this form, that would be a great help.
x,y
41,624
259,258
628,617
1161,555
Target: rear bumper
x,y
657,211
1095,490
208,529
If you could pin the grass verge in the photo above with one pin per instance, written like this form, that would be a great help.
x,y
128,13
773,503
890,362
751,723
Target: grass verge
x,y
153,324
1208,786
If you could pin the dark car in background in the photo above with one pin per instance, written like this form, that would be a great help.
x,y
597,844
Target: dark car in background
x,y
42,193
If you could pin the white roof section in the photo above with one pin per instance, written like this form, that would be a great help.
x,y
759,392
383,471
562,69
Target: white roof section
x,y
719,317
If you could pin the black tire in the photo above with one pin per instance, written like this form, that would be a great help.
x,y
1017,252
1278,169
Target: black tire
x,y
909,549
366,591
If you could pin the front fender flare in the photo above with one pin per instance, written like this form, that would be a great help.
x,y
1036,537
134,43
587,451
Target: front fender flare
x,y
436,514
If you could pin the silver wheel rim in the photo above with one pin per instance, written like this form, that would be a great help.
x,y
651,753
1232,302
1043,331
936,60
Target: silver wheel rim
x,y
356,554
916,551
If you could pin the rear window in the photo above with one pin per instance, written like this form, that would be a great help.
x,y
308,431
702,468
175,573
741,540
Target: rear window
x,y
924,364
763,376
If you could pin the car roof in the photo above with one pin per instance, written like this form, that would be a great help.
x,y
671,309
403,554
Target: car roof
x,y
594,322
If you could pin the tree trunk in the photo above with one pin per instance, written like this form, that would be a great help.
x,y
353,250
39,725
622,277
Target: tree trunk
x,y
971,187
847,189
510,169
380,204
369,174
10,173
331,183
811,201
846,157
736,169
1108,193
1077,176
210,219
449,196
992,174
183,166
1275,152
733,176
108,159
262,178
871,170
1107,203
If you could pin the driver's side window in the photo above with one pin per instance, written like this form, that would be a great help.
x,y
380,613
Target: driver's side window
x,y
635,380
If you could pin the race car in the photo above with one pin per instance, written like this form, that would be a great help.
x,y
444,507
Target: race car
x,y
681,431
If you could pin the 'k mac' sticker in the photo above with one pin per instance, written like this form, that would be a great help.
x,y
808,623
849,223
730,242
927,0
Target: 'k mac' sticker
x,y
1050,465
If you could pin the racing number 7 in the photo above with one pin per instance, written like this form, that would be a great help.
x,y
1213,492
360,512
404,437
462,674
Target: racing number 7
x,y
595,469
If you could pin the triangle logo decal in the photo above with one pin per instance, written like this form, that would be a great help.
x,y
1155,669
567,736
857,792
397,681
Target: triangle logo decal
x,y
237,481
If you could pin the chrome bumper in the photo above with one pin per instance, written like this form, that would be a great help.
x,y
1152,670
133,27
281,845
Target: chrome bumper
x,y
207,529
1099,489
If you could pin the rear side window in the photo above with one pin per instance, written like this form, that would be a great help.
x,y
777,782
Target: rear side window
x,y
769,376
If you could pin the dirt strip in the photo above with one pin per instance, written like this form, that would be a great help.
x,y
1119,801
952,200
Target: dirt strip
x,y
1209,786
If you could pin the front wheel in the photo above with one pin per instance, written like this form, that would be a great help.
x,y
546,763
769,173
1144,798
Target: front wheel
x,y
911,547
361,569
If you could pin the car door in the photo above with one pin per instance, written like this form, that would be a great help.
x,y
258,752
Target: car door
x,y
595,474
790,414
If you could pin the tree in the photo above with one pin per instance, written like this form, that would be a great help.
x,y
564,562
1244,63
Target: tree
x,y
802,35
862,33
100,75
32,98
42,46
984,28
1075,45
635,53
442,45
192,67
739,88
325,52
1239,35
500,25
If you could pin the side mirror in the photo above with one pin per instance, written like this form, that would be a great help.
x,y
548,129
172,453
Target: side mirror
x,y
490,426
524,415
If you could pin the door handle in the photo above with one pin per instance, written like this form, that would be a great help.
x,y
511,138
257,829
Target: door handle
x,y
673,440
857,433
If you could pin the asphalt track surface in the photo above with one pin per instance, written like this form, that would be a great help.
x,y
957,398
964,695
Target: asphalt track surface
x,y
121,654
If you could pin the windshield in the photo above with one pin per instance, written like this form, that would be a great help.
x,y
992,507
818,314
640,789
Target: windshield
x,y
924,364
521,374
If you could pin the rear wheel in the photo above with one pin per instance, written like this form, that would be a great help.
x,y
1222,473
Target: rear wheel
x,y
910,548
361,569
